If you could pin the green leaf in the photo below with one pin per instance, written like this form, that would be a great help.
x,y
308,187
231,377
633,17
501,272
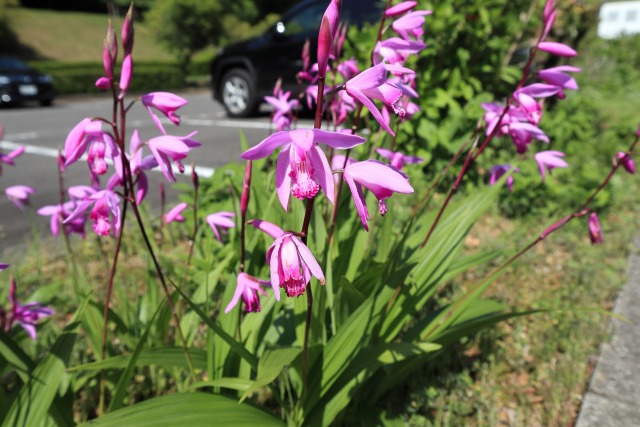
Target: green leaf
x,y
187,409
231,383
165,356
36,396
121,388
237,347
271,364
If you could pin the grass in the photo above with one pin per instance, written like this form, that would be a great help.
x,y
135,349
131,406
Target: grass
x,y
76,36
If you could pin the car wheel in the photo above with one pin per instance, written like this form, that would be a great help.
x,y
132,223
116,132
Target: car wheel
x,y
238,93
46,102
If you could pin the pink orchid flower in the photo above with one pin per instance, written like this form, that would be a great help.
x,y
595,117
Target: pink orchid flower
x,y
165,102
167,148
19,194
88,134
8,158
409,26
595,229
396,50
523,133
3,266
222,220
556,76
397,159
283,109
247,288
626,161
58,213
302,168
498,171
379,178
549,160
27,315
175,214
291,262
372,84
105,213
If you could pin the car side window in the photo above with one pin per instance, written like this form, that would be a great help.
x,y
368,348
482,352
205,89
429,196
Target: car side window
x,y
308,20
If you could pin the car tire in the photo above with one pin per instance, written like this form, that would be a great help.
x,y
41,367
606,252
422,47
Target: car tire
x,y
46,102
238,93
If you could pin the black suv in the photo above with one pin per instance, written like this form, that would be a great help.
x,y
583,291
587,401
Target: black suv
x,y
243,73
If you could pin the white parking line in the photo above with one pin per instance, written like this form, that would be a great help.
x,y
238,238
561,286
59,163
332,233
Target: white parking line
x,y
202,171
22,136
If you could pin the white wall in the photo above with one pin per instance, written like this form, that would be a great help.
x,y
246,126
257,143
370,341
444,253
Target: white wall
x,y
618,18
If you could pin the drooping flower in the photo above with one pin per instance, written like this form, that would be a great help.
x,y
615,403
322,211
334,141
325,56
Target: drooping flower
x,y
302,168
595,230
372,84
291,262
28,315
548,160
498,171
167,148
398,159
247,288
165,102
222,220
19,194
175,214
379,178
626,161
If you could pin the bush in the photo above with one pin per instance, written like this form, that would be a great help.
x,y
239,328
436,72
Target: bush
x,y
79,77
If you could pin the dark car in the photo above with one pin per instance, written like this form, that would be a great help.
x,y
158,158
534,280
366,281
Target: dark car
x,y
243,73
19,82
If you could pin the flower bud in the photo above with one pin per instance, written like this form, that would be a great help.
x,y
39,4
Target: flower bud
x,y
109,51
127,32
125,75
246,190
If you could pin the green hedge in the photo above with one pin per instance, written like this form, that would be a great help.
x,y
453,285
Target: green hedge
x,y
80,77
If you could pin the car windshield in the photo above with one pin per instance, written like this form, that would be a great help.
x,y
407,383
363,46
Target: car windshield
x,y
12,64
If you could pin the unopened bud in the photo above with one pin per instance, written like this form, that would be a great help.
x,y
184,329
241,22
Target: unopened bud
x,y
127,31
246,190
194,177
109,51
125,75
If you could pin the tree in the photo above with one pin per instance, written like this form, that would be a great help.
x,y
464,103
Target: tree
x,y
186,26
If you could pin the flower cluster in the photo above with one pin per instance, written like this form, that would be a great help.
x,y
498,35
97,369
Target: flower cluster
x,y
302,166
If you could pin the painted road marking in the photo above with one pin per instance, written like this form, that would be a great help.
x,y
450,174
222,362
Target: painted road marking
x,y
202,171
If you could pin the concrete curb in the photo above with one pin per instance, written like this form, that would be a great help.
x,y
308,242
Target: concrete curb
x,y
612,397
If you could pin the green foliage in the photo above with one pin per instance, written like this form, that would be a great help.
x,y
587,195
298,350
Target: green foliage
x,y
80,77
186,26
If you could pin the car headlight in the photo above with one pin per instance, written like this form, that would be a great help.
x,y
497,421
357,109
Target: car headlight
x,y
45,78
4,80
